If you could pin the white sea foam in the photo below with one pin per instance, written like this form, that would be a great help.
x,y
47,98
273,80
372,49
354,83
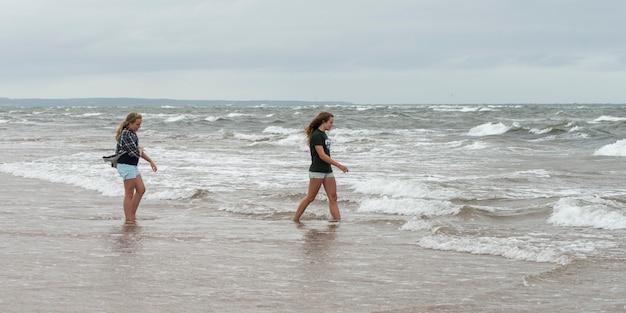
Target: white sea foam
x,y
440,145
281,130
176,118
606,118
477,145
574,129
296,140
454,108
517,248
488,129
588,212
251,137
60,169
235,114
401,188
461,108
416,224
275,137
406,206
615,149
401,197
540,131
535,173
364,133
87,171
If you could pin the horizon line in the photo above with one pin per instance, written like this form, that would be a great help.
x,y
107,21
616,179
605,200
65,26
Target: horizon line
x,y
224,101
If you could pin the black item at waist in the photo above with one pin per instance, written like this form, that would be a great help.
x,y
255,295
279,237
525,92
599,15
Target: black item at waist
x,y
127,159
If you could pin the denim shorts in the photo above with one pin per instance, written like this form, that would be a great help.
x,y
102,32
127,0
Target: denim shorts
x,y
127,171
320,175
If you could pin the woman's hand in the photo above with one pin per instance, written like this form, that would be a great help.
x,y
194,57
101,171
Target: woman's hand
x,y
342,167
147,158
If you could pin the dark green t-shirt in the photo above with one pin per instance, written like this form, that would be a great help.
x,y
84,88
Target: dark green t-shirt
x,y
319,138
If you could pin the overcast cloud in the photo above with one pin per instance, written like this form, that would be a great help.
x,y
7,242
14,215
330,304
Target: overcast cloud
x,y
362,51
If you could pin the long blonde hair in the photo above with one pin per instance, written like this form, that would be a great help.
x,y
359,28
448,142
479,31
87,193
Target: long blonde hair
x,y
315,123
130,118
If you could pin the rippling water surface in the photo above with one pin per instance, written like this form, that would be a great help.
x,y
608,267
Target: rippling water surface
x,y
540,183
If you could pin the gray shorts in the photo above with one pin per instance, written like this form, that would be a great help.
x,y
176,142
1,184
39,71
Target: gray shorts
x,y
320,175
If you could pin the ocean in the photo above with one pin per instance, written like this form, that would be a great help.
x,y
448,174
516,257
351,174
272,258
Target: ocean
x,y
446,208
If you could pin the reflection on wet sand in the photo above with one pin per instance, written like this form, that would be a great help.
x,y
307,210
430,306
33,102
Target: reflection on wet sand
x,y
318,243
128,239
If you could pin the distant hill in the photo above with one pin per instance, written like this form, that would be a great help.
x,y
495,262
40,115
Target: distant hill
x,y
142,101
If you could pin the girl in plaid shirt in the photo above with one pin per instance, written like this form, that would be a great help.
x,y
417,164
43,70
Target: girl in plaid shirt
x,y
128,146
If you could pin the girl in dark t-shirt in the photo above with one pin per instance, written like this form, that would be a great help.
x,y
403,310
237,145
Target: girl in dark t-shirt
x,y
319,138
320,171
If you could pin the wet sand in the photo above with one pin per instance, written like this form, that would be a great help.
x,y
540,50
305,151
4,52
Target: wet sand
x,y
65,249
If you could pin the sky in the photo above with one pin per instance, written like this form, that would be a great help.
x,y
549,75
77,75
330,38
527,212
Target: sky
x,y
359,51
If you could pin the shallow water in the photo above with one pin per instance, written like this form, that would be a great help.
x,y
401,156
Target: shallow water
x,y
515,208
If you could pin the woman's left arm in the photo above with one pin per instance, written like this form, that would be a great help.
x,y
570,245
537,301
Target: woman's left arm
x,y
326,158
145,156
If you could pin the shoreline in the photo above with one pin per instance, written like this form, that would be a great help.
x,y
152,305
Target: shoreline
x,y
68,251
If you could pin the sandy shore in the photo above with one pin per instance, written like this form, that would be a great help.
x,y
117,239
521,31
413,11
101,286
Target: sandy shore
x,y
67,250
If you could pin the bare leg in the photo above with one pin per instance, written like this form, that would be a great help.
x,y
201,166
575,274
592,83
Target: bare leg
x,y
314,187
133,191
330,186
129,192
140,189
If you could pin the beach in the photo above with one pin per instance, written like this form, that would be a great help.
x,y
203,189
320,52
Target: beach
x,y
503,208
66,250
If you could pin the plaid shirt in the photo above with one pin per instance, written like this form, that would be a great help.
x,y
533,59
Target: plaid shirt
x,y
128,143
